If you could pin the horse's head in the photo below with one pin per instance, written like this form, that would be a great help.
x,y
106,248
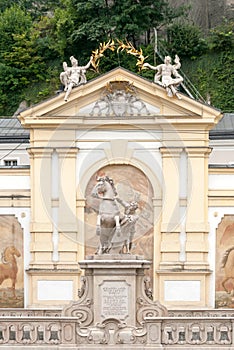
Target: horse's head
x,y
99,189
14,251
8,253
104,188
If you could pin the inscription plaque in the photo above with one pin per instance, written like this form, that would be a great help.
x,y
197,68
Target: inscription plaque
x,y
114,299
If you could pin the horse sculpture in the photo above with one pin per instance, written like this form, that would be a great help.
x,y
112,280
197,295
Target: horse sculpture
x,y
228,265
108,216
8,267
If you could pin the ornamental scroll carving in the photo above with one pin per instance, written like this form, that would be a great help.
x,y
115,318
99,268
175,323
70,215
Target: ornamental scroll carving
x,y
112,332
146,307
83,308
119,99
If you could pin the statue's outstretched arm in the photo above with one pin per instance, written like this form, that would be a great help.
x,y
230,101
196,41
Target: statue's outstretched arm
x,y
64,66
122,202
88,64
177,64
150,66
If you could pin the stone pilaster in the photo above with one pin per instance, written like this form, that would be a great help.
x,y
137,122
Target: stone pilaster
x,y
67,219
170,226
197,208
41,216
80,205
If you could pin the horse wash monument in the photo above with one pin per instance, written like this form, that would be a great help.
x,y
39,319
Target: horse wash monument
x,y
115,309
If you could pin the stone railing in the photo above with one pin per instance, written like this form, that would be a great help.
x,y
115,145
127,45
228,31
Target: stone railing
x,y
186,332
34,330
175,331
202,313
30,312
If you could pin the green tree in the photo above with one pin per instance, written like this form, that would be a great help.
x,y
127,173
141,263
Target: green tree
x,y
63,27
222,37
13,21
21,64
186,40
4,4
98,20
36,7
15,26
36,37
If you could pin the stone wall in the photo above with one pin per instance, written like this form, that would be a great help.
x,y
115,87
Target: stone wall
x,y
207,13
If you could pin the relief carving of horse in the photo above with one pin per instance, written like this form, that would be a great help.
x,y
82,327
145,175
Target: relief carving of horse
x,y
228,265
108,216
8,267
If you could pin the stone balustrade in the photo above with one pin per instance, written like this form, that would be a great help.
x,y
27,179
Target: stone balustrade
x,y
212,328
196,331
30,312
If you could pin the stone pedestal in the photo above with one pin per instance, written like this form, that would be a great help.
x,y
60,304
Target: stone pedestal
x,y
115,302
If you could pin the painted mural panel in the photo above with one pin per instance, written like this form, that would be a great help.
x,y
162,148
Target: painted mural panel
x,y
132,186
224,296
11,264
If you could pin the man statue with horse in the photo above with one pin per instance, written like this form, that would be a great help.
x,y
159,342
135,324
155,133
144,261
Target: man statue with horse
x,y
110,221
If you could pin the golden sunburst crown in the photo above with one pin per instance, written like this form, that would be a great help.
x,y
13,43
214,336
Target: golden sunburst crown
x,y
121,46
131,50
98,53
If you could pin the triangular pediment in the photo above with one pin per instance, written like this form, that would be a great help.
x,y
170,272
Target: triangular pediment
x,y
117,95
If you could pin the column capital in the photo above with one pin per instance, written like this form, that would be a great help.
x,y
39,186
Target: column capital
x,y
67,152
40,151
171,151
198,151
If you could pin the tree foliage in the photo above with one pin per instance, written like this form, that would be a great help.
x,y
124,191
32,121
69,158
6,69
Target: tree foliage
x,y
222,37
13,21
101,19
36,37
186,40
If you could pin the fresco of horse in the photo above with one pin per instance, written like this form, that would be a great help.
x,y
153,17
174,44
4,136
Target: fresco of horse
x,y
8,267
228,266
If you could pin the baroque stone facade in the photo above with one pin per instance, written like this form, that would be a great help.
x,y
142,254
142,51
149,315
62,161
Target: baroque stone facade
x,y
157,149
164,138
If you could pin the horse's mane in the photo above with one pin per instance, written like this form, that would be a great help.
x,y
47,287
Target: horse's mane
x,y
225,256
110,181
7,254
